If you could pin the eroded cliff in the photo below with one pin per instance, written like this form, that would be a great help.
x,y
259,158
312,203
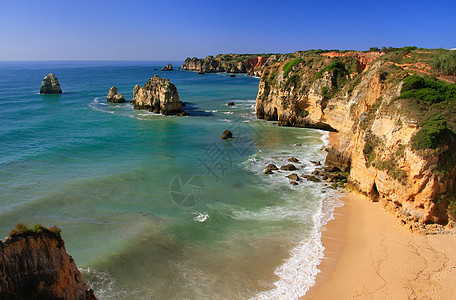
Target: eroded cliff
x,y
360,95
230,63
35,265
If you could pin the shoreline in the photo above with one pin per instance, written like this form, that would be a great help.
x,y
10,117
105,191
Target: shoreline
x,y
369,255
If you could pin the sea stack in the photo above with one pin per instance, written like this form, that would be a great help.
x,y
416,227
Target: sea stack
x,y
158,95
114,97
50,85
169,67
35,265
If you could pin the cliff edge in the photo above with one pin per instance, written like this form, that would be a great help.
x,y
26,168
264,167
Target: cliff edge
x,y
393,112
35,265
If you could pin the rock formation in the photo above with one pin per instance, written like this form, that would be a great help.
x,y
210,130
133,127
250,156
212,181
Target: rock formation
x,y
114,97
50,85
35,265
158,95
169,67
230,63
356,95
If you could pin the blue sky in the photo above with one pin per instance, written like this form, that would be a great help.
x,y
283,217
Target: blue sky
x,y
174,30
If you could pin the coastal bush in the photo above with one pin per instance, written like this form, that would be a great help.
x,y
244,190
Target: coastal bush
x,y
289,65
338,69
427,90
302,113
432,133
452,209
446,63
391,168
292,81
23,230
370,143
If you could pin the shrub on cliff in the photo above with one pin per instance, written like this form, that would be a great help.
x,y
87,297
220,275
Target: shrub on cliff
x,y
289,65
430,91
432,133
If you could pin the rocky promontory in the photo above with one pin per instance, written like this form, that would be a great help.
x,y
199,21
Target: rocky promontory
x,y
35,265
50,85
114,97
391,114
158,95
230,63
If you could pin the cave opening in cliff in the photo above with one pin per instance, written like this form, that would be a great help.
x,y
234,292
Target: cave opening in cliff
x,y
374,193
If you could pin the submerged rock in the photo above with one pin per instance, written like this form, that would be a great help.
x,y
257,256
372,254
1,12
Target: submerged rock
x,y
272,167
114,97
227,134
293,159
293,177
169,67
230,103
50,85
158,95
35,265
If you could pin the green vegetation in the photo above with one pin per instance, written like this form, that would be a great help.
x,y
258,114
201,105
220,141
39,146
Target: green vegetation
x,y
289,65
452,208
432,133
23,230
371,142
392,169
431,91
302,112
446,63
336,66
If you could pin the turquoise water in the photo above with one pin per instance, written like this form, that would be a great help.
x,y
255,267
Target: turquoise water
x,y
114,179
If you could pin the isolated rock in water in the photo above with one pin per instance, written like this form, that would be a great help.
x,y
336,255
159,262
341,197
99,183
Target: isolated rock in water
x,y
227,134
293,159
289,167
114,97
268,172
271,167
169,67
158,95
230,103
293,183
232,75
35,265
50,85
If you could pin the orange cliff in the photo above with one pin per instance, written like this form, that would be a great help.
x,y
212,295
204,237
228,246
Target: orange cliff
x,y
36,266
354,95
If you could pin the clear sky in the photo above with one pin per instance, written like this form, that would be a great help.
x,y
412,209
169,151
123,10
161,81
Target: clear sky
x,y
174,30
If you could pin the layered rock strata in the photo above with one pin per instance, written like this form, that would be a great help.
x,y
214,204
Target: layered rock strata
x,y
168,67
158,95
50,85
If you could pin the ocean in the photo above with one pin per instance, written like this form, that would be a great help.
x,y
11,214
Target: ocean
x,y
155,206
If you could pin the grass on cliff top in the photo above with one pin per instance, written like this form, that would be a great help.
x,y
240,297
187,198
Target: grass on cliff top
x,y
289,65
23,230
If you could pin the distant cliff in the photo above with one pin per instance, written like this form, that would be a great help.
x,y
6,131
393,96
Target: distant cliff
x,y
35,265
251,64
395,132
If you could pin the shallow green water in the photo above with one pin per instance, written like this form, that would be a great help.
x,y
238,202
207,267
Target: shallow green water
x,y
109,177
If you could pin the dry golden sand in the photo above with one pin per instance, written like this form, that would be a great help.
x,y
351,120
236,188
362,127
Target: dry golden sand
x,y
370,256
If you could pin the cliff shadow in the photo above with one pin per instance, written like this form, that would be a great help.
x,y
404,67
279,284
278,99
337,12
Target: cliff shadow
x,y
195,111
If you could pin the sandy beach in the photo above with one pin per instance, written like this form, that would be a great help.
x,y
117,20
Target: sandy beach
x,y
370,256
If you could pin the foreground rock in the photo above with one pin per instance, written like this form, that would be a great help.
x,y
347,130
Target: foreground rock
x,y
158,95
50,85
114,97
226,135
169,67
231,103
35,265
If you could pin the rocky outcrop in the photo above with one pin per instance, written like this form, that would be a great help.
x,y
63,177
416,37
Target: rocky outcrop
x,y
114,97
230,63
35,265
50,85
169,67
354,95
158,95
227,134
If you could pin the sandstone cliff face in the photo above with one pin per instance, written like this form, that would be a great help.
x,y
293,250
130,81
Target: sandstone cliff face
x,y
38,267
50,85
230,63
356,100
158,95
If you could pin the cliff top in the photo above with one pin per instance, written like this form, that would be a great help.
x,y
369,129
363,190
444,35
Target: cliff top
x,y
22,231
